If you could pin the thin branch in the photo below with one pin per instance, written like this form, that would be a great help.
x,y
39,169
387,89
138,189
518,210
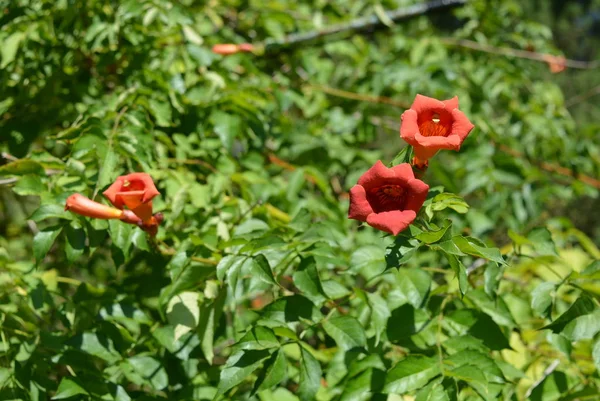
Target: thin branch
x,y
510,52
580,98
362,24
359,96
546,373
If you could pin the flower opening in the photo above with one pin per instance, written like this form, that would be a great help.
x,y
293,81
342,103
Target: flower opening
x,y
430,125
387,198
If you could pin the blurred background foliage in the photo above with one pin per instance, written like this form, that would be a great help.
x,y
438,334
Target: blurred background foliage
x,y
257,286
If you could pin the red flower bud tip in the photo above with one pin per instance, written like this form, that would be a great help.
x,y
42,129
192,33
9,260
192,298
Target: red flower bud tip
x,y
556,63
135,191
83,206
430,125
226,49
387,198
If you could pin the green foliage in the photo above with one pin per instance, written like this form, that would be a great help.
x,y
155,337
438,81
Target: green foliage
x,y
257,286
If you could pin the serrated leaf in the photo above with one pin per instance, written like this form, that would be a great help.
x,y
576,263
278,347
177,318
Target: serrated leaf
x,y
68,388
43,240
262,269
582,306
107,169
227,127
310,376
273,372
411,373
461,273
22,167
306,278
368,260
430,237
470,246
541,299
161,110
414,284
75,244
10,46
258,337
346,331
183,312
147,370
238,367
50,211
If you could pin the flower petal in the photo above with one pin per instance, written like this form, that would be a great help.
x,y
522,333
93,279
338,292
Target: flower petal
x,y
404,171
461,125
84,206
376,176
417,194
359,206
392,222
142,181
409,127
424,103
111,193
451,104
439,142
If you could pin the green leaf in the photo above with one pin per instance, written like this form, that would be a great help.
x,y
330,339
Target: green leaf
x,y
429,237
68,388
97,345
29,185
22,167
43,240
411,373
401,251
183,312
471,246
227,126
369,260
209,319
306,278
582,306
495,308
541,299
434,391
483,362
561,343
261,268
447,200
147,370
238,367
161,110
583,327
75,245
10,46
542,242
291,309
50,211
139,238
380,313
310,376
346,331
258,338
461,273
108,168
273,372
414,284
596,354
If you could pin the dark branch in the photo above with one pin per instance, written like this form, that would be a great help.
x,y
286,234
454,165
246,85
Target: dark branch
x,y
362,24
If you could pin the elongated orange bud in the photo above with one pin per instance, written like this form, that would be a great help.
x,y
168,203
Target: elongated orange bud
x,y
229,48
83,206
